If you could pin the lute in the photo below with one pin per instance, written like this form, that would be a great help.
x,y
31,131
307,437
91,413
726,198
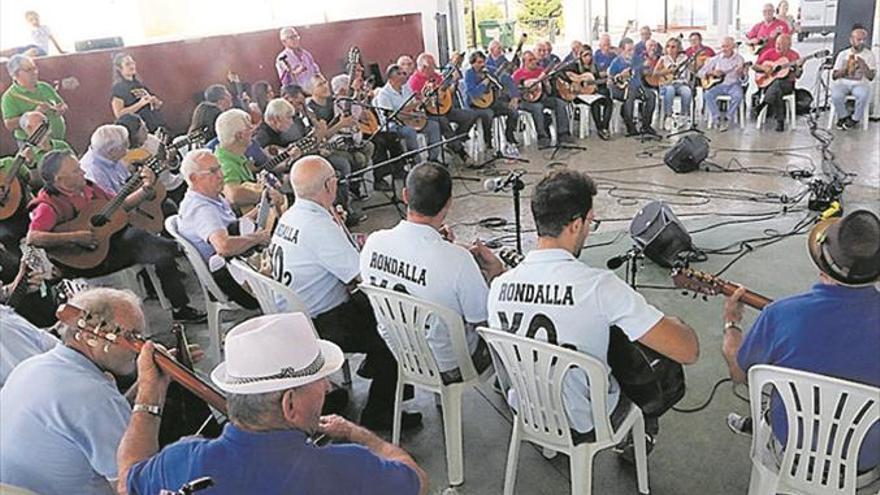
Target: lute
x,y
705,283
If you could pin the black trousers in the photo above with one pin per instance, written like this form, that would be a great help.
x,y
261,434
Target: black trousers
x,y
234,290
352,326
464,119
602,109
387,146
131,246
649,101
773,97
14,229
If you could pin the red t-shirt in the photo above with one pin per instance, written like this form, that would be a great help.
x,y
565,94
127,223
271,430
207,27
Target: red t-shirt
x,y
44,218
418,80
770,31
771,55
523,74
707,51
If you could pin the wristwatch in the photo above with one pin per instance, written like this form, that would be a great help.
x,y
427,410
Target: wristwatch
x,y
151,409
731,324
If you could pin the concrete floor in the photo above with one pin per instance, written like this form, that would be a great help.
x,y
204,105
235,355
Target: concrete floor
x,y
696,453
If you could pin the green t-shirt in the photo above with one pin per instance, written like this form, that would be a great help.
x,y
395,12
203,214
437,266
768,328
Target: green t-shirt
x,y
12,107
39,153
6,164
234,167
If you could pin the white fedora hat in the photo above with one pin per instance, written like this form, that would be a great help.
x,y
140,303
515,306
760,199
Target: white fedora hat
x,y
275,352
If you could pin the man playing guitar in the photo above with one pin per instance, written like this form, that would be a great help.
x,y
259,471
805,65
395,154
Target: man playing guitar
x,y
727,65
782,86
479,82
854,69
66,193
530,78
425,80
392,97
631,65
763,35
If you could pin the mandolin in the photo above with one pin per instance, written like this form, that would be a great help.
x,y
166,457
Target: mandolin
x,y
781,68
114,335
12,190
704,283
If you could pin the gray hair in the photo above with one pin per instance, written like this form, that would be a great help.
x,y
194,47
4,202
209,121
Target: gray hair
x,y
190,165
495,42
102,304
15,62
278,108
423,58
339,82
286,32
25,118
230,123
255,409
50,165
109,137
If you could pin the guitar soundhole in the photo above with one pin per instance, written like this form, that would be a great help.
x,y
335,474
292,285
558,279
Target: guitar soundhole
x,y
99,220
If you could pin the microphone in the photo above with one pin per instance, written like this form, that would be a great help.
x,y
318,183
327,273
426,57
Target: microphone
x,y
497,184
615,262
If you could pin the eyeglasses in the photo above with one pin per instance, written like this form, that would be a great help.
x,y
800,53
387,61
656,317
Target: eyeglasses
x,y
594,223
210,171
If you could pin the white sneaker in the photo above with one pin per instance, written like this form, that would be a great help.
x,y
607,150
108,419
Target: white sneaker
x,y
669,123
511,150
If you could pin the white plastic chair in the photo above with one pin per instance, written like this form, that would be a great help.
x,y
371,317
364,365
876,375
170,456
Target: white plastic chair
x,y
404,321
789,112
216,301
128,277
828,419
740,113
864,120
274,297
536,371
582,115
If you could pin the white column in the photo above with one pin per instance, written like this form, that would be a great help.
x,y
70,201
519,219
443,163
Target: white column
x,y
875,45
577,21
723,27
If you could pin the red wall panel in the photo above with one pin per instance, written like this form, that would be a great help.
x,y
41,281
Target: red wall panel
x,y
177,71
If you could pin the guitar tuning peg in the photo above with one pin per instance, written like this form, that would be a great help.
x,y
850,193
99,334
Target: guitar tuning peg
x,y
684,293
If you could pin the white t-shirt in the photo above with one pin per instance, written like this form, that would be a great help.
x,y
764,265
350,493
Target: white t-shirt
x,y
415,259
866,54
312,255
553,297
40,37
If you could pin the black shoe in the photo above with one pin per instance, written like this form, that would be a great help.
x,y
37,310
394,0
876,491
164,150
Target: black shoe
x,y
382,186
355,218
841,124
335,401
604,135
780,125
543,142
849,123
568,139
649,131
626,451
409,421
631,131
189,314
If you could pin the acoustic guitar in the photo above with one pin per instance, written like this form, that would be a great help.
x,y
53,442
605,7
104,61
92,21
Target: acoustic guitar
x,y
441,102
104,218
782,67
758,45
711,81
650,379
488,98
704,283
11,188
664,75
586,85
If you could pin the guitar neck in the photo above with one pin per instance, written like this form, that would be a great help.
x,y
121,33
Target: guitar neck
x,y
749,298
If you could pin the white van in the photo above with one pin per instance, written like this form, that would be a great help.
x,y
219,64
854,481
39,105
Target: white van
x,y
816,16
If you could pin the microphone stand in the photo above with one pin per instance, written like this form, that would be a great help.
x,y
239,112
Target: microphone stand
x,y
514,179
393,199
394,114
692,84
499,155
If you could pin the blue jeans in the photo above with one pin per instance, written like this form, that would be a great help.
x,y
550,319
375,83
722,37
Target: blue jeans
x,y
536,109
431,131
734,91
843,88
670,91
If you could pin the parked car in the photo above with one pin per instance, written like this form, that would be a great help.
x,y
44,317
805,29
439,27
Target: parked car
x,y
816,16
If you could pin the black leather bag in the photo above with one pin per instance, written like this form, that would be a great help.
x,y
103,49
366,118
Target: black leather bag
x,y
651,380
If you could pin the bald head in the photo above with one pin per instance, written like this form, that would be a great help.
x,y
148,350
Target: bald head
x,y
783,43
728,45
309,177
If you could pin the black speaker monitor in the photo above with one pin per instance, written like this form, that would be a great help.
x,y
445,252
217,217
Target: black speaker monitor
x,y
687,154
98,44
660,234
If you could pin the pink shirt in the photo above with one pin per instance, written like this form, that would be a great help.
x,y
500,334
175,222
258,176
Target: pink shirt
x,y
418,80
523,74
44,218
304,58
707,51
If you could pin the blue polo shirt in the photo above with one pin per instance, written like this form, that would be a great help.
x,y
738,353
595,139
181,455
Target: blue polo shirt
x,y
62,421
21,340
110,175
603,60
832,330
198,217
275,462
